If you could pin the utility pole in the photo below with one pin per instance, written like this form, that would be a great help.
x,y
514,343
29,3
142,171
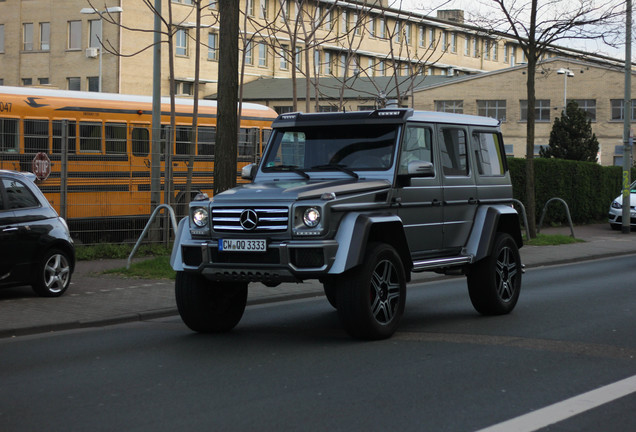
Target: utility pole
x,y
627,115
155,152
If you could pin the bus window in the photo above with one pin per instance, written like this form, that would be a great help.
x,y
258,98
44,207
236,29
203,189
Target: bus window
x,y
57,136
206,140
36,136
140,142
90,137
265,134
248,139
183,140
115,137
9,135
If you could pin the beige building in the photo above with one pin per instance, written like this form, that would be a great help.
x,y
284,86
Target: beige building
x,y
57,43
598,89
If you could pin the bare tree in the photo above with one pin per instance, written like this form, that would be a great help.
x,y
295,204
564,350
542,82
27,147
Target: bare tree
x,y
225,150
536,26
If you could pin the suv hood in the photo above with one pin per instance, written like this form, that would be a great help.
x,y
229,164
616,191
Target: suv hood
x,y
289,190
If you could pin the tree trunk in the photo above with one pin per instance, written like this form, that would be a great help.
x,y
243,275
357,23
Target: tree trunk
x,y
227,118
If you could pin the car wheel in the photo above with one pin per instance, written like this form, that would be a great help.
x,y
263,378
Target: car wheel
x,y
207,306
330,288
371,297
494,282
53,275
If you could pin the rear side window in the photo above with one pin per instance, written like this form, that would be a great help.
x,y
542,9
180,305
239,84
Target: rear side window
x,y
489,153
453,151
18,195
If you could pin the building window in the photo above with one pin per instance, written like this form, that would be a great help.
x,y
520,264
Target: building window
x,y
45,36
184,88
264,5
371,27
213,46
27,81
382,28
407,33
445,41
328,65
487,50
93,84
397,32
454,43
420,36
1,38
249,57
298,57
262,55
74,35
431,38
250,8
327,20
618,108
95,30
467,46
43,81
181,42
492,108
73,83
27,37
541,110
284,49
328,108
475,52
495,50
588,106
357,24
283,109
450,106
344,25
506,52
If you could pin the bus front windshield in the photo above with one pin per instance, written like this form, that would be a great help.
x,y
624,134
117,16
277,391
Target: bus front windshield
x,y
353,147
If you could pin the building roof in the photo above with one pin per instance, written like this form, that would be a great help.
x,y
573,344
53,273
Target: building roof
x,y
358,87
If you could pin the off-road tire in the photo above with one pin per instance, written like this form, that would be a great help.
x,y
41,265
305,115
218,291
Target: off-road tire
x,y
209,307
494,282
371,297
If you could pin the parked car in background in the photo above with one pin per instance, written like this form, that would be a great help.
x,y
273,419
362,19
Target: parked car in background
x,y
35,244
616,210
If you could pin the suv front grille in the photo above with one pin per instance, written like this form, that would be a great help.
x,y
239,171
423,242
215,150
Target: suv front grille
x,y
269,219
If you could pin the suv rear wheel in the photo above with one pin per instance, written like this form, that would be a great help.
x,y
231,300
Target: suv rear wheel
x,y
371,297
494,282
207,306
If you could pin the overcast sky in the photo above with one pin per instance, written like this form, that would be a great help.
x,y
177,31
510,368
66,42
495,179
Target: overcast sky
x,y
430,7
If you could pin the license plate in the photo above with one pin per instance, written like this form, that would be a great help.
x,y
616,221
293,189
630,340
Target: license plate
x,y
242,245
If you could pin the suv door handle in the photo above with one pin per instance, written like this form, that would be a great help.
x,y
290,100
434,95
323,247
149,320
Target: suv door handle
x,y
436,203
472,201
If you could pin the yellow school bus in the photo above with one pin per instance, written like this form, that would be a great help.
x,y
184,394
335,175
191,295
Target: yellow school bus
x,y
99,148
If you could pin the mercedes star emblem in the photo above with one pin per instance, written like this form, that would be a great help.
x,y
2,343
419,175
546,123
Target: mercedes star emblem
x,y
249,220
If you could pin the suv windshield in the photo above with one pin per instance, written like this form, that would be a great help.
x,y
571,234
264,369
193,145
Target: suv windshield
x,y
345,147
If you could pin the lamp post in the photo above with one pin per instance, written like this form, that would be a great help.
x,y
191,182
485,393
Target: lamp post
x,y
108,10
566,73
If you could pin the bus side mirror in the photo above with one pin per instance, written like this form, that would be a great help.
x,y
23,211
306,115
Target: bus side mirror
x,y
248,172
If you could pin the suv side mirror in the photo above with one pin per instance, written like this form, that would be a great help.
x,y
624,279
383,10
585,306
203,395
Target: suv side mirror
x,y
248,172
421,169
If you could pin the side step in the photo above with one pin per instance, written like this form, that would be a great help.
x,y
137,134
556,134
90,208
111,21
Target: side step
x,y
431,264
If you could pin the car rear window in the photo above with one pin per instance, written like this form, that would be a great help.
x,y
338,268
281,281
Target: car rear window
x,y
18,195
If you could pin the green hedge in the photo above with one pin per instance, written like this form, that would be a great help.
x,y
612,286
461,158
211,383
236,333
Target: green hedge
x,y
588,188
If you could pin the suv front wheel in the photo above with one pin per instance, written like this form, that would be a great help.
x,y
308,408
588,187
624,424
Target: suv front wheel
x,y
495,281
207,306
371,297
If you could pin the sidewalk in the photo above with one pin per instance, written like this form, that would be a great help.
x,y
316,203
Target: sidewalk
x,y
94,299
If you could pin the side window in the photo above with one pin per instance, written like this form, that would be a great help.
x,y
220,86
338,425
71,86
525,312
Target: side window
x,y
140,142
36,136
453,151
183,140
57,135
9,135
18,195
417,147
115,137
489,153
206,140
90,137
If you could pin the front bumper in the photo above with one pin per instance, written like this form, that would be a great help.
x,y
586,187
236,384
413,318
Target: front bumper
x,y
615,217
287,261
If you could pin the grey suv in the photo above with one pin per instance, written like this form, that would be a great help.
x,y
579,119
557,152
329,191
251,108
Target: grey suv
x,y
358,201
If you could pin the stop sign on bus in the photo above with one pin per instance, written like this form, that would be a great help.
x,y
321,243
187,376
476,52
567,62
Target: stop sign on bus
x,y
41,166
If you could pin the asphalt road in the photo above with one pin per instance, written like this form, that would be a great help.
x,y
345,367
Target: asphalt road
x,y
290,366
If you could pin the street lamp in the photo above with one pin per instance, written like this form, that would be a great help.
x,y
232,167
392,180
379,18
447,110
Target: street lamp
x,y
566,73
108,10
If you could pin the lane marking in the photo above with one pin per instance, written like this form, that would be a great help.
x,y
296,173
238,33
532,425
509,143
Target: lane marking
x,y
568,408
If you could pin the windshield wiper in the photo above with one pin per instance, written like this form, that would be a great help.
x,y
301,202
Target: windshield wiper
x,y
291,168
338,167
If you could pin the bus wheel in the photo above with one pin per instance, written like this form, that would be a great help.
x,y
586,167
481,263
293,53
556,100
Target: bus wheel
x,y
209,307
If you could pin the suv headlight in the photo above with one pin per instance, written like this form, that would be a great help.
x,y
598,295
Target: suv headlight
x,y
200,217
311,217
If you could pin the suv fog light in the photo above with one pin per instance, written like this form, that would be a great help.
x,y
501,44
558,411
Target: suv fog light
x,y
200,217
311,218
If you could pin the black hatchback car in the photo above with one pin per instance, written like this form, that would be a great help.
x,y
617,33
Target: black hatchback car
x,y
35,244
